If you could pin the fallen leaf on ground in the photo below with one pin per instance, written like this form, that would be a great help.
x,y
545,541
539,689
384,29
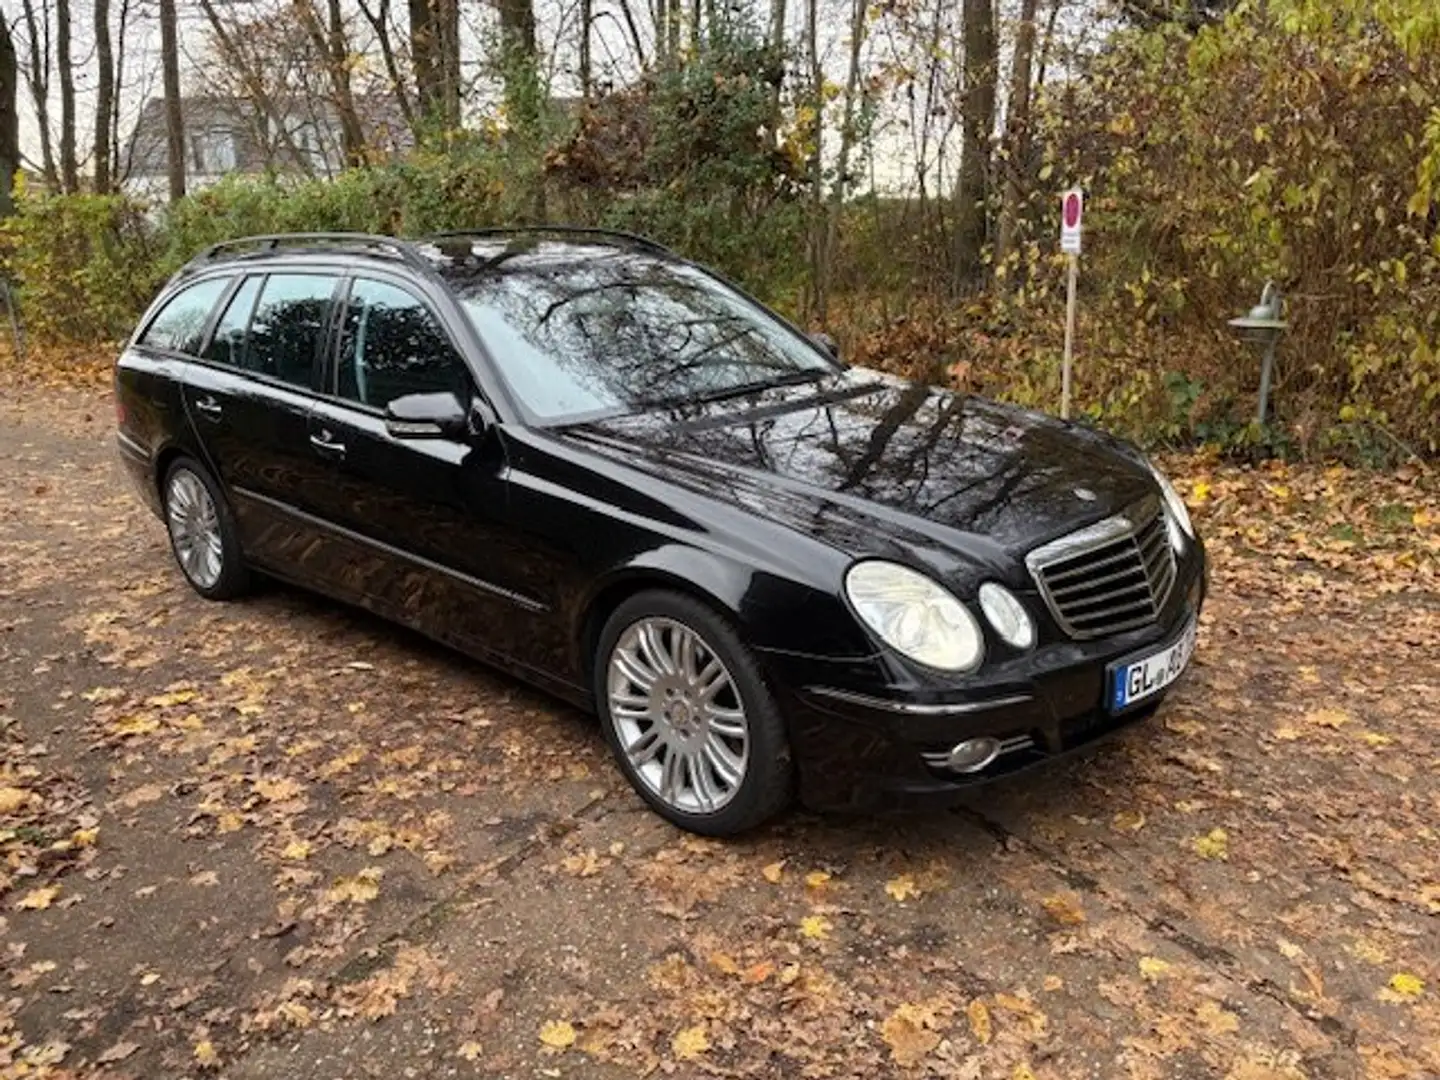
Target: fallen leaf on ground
x,y
1403,986
205,1054
469,1051
1213,845
1064,908
979,1021
815,926
296,849
1217,1020
817,879
910,1032
774,872
39,899
902,888
13,799
557,1034
119,1052
1331,718
689,1043
1153,968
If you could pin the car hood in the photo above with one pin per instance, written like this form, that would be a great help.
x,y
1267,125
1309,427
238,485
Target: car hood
x,y
876,465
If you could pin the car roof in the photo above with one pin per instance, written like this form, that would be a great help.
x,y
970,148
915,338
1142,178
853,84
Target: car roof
x,y
428,256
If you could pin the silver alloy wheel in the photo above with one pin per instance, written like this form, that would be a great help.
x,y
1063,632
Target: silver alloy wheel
x,y
194,528
678,715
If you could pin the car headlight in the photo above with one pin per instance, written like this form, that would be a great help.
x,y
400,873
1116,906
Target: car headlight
x,y
1178,515
915,616
1007,615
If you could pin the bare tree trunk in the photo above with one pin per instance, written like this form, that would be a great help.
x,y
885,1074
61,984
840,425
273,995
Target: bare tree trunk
x,y
447,20
777,25
379,21
859,12
174,111
972,190
37,77
519,60
118,173
819,257
104,95
69,173
587,16
330,42
425,60
9,118
1016,151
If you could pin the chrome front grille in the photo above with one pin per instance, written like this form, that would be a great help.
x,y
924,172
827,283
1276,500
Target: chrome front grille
x,y
1114,575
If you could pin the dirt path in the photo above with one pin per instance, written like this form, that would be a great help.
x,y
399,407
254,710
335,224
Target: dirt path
x,y
280,838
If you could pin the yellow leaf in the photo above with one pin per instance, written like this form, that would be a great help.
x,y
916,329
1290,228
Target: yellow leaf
x,y
39,899
902,888
816,879
979,1021
1200,493
85,837
1213,845
1421,519
134,725
815,926
469,1051
1053,982
230,822
177,697
689,1043
278,789
1331,718
1374,738
296,849
1022,1072
13,799
1065,909
1287,733
724,964
910,1033
1153,968
1407,985
557,1034
205,1054
1217,1021
1128,821
360,889
774,872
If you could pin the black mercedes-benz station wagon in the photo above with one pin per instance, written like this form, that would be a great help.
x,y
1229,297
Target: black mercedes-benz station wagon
x,y
581,458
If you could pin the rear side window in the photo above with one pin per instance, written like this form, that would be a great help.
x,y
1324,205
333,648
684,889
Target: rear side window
x,y
180,324
392,346
289,325
227,344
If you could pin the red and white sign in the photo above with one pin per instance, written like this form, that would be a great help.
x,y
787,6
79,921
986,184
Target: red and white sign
x,y
1072,211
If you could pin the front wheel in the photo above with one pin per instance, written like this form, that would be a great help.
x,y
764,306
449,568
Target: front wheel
x,y
689,717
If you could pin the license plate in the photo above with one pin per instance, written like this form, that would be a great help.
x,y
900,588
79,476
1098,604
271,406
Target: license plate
x,y
1136,680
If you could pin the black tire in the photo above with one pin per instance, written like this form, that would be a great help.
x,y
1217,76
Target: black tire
x,y
767,783
233,579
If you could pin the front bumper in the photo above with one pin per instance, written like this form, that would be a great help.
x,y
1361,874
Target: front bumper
x,y
861,749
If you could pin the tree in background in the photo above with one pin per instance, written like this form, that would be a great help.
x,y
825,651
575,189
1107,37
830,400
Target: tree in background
x,y
977,109
104,97
9,118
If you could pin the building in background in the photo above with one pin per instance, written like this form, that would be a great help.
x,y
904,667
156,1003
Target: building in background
x,y
225,135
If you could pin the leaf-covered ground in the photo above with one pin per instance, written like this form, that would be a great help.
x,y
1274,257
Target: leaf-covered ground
x,y
280,838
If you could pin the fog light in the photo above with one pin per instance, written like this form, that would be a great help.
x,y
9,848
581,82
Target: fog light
x,y
972,755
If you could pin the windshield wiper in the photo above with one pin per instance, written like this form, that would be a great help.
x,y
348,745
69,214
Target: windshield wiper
x,y
790,378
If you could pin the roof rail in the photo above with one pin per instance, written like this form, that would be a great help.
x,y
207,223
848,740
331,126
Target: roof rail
x,y
389,246
574,230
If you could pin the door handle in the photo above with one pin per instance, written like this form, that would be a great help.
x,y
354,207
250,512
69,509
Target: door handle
x,y
210,407
326,444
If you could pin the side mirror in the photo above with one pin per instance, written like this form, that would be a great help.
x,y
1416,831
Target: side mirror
x,y
427,416
826,342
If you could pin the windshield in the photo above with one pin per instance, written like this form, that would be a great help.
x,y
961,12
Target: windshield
x,y
576,330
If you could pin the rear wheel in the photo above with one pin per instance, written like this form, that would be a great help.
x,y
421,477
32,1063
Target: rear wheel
x,y
689,717
202,532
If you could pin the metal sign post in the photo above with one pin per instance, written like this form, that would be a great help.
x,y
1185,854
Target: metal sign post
x,y
1072,213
